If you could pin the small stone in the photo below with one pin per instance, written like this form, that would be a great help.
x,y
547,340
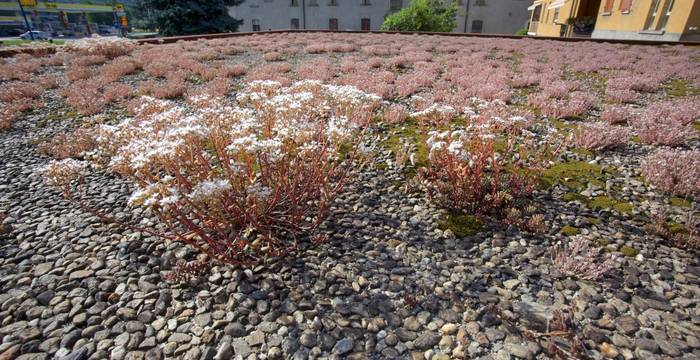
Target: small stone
x,y
80,274
235,330
343,346
391,339
609,351
449,329
426,340
257,337
511,284
308,339
446,343
627,325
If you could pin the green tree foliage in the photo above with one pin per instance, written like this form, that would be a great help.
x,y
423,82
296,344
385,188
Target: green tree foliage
x,y
423,15
184,17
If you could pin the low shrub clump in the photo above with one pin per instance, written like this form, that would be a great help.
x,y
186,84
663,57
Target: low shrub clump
x,y
601,136
576,258
240,182
675,171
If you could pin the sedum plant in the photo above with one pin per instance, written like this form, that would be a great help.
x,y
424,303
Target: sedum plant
x,y
675,171
241,181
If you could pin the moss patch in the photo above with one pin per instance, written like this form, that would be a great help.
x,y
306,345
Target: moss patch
x,y
680,88
409,133
680,202
461,225
676,228
570,230
604,202
575,197
573,174
629,251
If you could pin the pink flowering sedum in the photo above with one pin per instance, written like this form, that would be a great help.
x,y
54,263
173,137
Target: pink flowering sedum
x,y
675,171
239,181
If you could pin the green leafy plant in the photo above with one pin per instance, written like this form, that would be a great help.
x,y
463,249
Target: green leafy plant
x,y
182,17
423,15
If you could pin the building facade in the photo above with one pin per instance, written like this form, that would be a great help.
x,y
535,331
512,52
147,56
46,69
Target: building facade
x,y
487,16
563,18
667,20
70,17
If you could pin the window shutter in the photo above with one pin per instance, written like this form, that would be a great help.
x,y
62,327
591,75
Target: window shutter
x,y
608,6
625,5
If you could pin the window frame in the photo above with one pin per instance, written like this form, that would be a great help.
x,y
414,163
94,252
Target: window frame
x,y
481,26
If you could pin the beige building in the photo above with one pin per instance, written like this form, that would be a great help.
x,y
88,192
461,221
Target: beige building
x,y
667,20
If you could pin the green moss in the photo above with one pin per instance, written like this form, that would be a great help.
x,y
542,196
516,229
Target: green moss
x,y
409,133
629,251
680,202
581,151
570,230
461,225
344,150
575,197
600,242
593,220
679,88
562,125
696,125
604,202
676,228
573,174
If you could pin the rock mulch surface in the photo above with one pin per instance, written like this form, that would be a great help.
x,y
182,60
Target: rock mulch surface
x,y
388,284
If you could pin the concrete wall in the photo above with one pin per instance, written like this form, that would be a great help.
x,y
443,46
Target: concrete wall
x,y
497,16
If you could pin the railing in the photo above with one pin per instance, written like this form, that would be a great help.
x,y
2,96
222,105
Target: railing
x,y
533,27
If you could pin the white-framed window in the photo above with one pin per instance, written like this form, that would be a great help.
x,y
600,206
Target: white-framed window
x,y
395,5
256,24
653,13
665,14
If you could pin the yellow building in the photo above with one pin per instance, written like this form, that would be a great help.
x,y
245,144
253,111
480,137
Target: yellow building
x,y
563,18
668,20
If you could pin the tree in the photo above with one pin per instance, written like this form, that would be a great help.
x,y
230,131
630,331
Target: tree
x,y
185,17
423,15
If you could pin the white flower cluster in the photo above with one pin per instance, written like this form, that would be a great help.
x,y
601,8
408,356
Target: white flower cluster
x,y
204,152
110,46
440,110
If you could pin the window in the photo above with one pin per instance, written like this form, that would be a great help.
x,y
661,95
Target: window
x,y
254,3
607,9
477,26
653,11
556,16
333,24
295,24
313,2
256,24
480,3
332,2
364,2
294,3
625,6
395,5
665,14
364,24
